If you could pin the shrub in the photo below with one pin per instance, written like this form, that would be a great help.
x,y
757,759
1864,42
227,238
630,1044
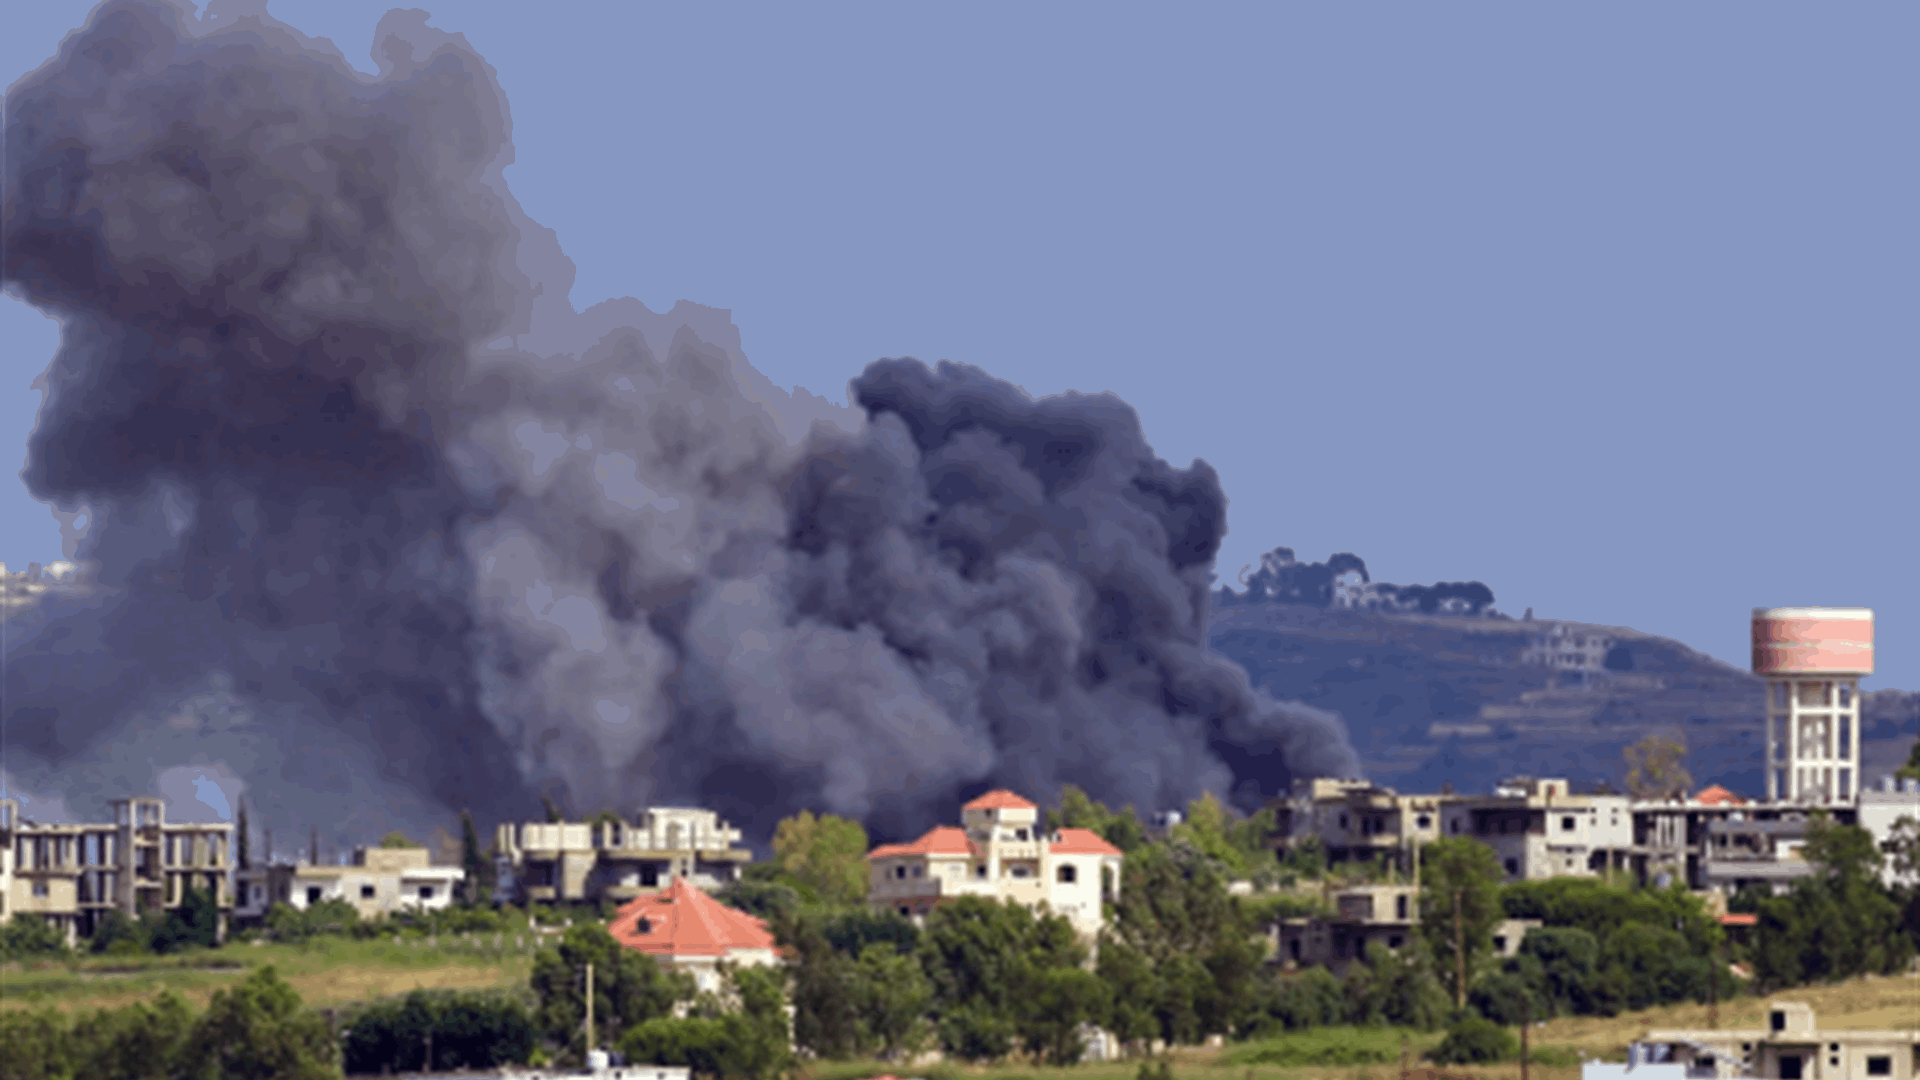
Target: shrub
x,y
1332,1046
1474,1040
29,935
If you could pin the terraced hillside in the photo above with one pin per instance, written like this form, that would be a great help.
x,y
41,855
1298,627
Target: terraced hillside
x,y
1432,699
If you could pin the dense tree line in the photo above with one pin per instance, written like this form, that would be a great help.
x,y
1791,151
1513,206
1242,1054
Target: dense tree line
x,y
255,1028
1840,921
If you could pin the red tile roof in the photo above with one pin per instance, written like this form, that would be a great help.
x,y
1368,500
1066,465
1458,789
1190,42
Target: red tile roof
x,y
1739,919
944,840
1081,842
1000,800
1718,796
680,920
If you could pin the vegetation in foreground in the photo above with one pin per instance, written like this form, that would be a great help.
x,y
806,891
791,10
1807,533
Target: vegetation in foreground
x,y
989,984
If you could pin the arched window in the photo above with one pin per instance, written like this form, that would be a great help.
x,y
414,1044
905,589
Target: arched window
x,y
1066,875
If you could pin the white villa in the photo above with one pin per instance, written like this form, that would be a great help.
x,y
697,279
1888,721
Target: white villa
x,y
998,852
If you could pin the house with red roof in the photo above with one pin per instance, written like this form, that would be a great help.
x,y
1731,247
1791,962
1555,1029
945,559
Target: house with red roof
x,y
1716,795
997,851
684,929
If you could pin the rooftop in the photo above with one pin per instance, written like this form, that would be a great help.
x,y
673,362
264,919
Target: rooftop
x,y
941,840
1000,800
681,920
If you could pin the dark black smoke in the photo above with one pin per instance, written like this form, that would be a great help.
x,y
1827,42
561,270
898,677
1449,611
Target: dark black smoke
x,y
376,519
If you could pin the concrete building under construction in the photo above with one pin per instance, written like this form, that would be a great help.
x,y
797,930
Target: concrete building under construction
x,y
71,875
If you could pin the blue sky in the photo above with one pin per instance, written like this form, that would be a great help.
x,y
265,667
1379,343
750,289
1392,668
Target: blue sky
x,y
1612,309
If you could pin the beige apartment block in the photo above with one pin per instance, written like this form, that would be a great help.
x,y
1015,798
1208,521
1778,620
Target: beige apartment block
x,y
998,852
1791,1047
1356,820
1539,829
379,882
73,874
617,860
1712,840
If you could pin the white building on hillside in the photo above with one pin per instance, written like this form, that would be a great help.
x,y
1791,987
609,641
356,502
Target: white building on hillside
x,y
998,852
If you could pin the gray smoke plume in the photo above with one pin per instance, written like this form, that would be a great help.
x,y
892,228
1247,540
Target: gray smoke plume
x,y
375,520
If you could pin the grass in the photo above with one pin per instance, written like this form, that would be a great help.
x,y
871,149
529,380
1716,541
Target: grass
x,y
325,971
1556,1048
1869,1003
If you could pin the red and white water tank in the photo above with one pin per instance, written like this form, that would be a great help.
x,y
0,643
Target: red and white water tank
x,y
1813,660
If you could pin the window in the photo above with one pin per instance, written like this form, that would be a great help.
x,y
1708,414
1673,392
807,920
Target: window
x,y
1456,826
1499,943
899,872
1789,1067
980,871
1020,834
1393,942
39,888
1066,874
919,871
1399,911
366,892
1778,1021
259,894
1880,1065
1343,821
905,911
1513,868
1020,871
313,894
426,892
1566,823
1424,821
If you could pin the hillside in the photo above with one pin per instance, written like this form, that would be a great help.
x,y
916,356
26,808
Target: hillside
x,y
1432,699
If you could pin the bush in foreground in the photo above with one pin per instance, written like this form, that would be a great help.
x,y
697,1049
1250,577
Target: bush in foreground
x,y
1474,1041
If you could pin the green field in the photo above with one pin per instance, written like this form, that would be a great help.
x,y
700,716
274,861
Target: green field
x,y
326,971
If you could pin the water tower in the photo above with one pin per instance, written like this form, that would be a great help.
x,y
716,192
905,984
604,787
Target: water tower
x,y
1813,660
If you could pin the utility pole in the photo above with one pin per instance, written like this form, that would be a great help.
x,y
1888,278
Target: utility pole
x,y
589,1007
1713,986
1526,1021
1459,956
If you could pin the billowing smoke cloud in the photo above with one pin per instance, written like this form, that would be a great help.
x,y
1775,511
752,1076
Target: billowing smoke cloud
x,y
377,522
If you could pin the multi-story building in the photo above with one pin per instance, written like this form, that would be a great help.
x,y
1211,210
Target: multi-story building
x,y
1363,916
998,852
1539,829
615,859
1355,820
73,874
380,881
1881,810
1790,1047
1571,651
